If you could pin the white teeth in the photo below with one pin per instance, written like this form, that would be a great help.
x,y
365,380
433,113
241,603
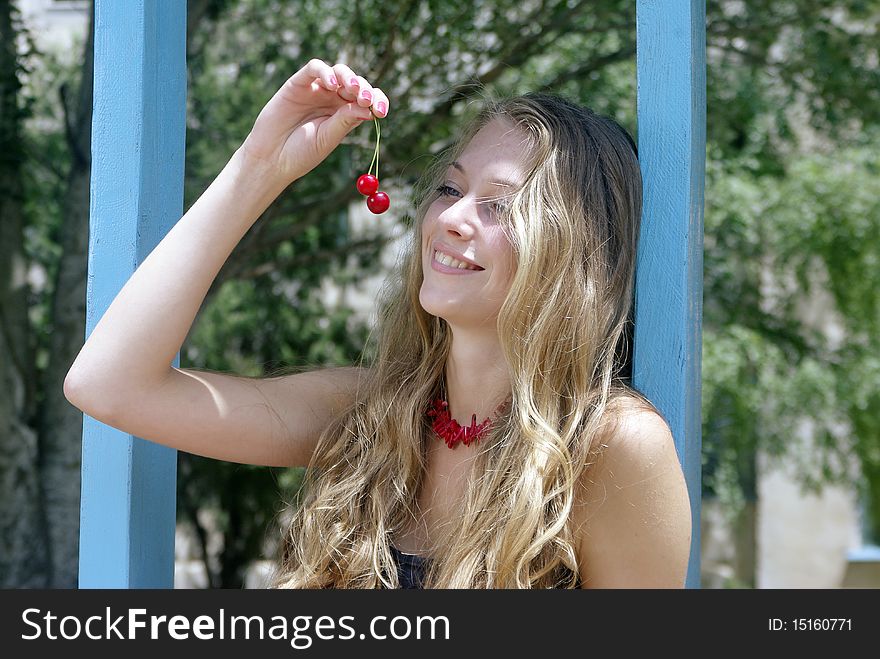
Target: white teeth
x,y
451,262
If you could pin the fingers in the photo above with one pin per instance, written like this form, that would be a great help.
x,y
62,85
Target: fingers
x,y
380,103
350,83
356,89
316,69
346,83
346,118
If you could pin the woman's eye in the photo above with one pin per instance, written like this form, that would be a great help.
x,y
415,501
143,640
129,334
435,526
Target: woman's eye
x,y
496,207
499,207
445,189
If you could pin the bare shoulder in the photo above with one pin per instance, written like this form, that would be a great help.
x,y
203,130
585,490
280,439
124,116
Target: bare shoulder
x,y
633,516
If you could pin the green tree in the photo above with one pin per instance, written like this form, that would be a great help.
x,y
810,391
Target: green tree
x,y
791,218
814,229
21,513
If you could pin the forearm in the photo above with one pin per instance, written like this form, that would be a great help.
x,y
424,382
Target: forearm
x,y
136,340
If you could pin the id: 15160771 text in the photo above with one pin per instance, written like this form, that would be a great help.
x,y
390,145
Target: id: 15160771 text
x,y
809,624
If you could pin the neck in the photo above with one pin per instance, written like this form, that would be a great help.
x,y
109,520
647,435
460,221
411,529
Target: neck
x,y
477,379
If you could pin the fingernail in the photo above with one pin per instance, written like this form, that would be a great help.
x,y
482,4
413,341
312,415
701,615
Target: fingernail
x,y
380,107
354,81
367,95
333,80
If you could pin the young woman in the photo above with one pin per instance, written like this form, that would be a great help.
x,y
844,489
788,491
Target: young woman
x,y
511,310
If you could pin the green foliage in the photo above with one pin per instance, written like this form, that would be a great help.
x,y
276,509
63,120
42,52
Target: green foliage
x,y
770,359
255,328
767,57
48,157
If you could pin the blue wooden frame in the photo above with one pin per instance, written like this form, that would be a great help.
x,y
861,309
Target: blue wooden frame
x,y
671,70
138,130
128,485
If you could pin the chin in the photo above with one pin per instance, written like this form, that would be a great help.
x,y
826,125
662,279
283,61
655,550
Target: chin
x,y
431,307
454,319
450,309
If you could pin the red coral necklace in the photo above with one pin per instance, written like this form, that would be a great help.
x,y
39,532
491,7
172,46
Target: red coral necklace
x,y
451,432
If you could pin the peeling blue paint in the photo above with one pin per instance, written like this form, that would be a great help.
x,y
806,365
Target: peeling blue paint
x,y
128,484
667,353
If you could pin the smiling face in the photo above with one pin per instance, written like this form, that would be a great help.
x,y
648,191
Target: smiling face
x,y
463,222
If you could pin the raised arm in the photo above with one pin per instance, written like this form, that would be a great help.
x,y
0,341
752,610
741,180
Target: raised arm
x,y
123,374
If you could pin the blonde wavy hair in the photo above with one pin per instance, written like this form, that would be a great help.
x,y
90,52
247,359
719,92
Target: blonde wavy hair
x,y
563,328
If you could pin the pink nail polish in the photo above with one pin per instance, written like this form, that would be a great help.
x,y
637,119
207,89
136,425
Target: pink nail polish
x,y
354,81
367,95
380,107
333,80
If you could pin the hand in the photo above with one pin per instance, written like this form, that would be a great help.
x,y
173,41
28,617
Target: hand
x,y
309,116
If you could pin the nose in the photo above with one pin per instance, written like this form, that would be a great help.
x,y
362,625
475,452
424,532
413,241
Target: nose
x,y
459,218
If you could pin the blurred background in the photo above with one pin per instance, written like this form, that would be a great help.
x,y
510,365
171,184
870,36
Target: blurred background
x,y
791,327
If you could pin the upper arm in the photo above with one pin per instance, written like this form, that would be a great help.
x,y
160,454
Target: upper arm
x,y
268,421
636,529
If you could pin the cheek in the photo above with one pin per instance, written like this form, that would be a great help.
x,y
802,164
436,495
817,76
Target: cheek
x,y
508,272
428,231
504,258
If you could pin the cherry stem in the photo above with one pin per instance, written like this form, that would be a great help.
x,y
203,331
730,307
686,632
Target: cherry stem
x,y
376,152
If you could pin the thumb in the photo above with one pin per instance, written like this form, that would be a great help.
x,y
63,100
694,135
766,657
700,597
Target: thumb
x,y
343,121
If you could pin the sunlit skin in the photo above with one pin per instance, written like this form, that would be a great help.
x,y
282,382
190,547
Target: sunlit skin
x,y
464,218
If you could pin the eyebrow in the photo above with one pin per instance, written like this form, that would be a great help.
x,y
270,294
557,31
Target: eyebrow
x,y
502,182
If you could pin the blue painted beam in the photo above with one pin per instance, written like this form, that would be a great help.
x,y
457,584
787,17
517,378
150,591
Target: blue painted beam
x,y
138,129
667,353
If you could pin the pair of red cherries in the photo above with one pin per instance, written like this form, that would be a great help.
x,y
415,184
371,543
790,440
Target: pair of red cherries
x,y
377,202
368,184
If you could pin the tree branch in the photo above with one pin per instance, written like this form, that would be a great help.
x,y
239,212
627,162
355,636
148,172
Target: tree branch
x,y
597,63
36,155
388,52
508,55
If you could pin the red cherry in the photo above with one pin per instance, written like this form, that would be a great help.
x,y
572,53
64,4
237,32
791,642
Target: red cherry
x,y
378,203
367,184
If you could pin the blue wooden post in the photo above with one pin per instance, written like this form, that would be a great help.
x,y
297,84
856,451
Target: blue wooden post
x,y
671,62
128,484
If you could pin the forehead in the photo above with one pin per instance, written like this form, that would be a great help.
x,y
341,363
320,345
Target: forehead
x,y
498,153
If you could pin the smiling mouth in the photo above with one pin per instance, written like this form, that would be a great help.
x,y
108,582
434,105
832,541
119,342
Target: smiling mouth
x,y
448,261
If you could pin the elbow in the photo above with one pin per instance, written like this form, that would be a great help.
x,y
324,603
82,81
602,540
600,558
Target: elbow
x,y
85,396
70,388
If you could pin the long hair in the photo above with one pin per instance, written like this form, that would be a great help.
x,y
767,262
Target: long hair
x,y
574,228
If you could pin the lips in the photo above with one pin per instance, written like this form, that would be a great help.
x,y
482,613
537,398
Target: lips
x,y
450,263
445,253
